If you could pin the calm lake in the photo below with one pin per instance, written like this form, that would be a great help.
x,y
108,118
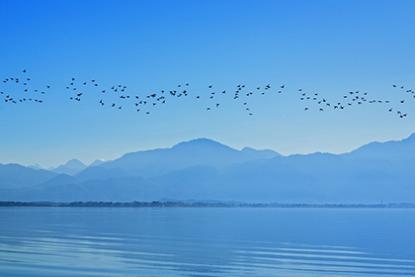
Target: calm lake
x,y
206,242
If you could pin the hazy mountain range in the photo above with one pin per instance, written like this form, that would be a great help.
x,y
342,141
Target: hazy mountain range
x,y
204,169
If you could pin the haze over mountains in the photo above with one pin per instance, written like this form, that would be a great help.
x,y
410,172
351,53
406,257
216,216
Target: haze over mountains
x,y
204,169
72,167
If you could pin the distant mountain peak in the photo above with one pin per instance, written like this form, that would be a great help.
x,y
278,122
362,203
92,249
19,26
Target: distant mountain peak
x,y
201,142
74,163
260,153
251,149
71,167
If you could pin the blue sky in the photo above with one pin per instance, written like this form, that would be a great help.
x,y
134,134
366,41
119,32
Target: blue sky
x,y
329,47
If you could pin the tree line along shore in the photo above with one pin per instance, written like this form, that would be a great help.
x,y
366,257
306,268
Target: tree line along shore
x,y
201,204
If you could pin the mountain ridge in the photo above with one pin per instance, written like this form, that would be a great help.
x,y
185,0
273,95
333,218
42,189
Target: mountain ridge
x,y
205,169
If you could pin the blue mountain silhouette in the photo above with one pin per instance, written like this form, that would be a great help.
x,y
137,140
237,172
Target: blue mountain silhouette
x,y
204,169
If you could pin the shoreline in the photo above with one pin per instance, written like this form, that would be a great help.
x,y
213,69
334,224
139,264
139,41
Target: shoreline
x,y
199,204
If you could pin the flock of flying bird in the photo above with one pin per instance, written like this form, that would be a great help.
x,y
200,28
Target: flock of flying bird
x,y
18,89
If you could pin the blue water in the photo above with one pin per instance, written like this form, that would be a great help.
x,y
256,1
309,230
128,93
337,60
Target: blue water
x,y
206,242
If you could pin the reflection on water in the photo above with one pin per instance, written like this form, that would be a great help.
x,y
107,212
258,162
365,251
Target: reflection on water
x,y
206,242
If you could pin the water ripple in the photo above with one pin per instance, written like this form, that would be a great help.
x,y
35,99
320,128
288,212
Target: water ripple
x,y
88,252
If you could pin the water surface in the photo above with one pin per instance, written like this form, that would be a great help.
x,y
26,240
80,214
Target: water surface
x,y
206,242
